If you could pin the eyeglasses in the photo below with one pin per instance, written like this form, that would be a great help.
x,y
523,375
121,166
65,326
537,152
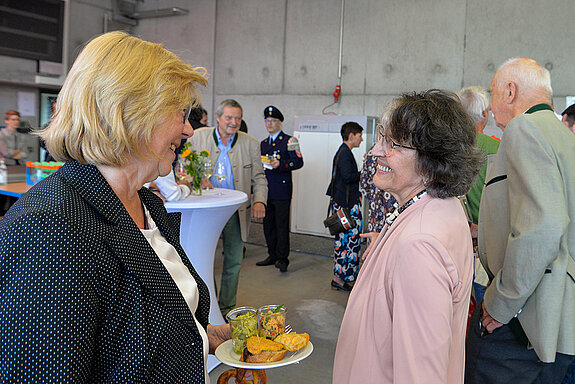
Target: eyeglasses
x,y
187,112
387,142
271,120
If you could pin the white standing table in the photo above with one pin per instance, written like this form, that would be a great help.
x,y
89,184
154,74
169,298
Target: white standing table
x,y
203,218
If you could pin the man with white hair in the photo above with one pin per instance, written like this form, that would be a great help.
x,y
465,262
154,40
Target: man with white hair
x,y
476,102
524,331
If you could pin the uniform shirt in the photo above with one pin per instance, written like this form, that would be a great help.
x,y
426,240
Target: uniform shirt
x,y
285,148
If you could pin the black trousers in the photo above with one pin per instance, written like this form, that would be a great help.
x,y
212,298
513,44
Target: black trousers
x,y
499,357
276,229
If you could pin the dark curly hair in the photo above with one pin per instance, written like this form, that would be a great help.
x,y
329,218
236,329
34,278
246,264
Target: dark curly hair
x,y
436,124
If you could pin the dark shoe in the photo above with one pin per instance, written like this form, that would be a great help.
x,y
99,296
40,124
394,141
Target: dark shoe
x,y
281,265
338,287
267,261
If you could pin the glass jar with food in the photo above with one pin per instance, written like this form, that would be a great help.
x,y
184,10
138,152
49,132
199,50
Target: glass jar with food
x,y
271,320
244,324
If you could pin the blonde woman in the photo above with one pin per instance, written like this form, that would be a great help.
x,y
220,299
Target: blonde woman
x,y
94,285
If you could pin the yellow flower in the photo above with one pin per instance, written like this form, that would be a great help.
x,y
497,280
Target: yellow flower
x,y
205,153
186,153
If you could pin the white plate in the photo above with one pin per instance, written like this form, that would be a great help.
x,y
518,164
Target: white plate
x,y
225,353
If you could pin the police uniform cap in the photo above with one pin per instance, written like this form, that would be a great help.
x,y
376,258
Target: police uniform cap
x,y
272,111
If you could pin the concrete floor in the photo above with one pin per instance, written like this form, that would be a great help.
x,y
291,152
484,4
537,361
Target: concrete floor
x,y
313,307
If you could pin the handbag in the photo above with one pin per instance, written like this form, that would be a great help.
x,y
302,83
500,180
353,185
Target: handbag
x,y
340,221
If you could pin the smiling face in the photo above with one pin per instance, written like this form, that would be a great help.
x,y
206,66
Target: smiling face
x,y
396,171
229,122
166,137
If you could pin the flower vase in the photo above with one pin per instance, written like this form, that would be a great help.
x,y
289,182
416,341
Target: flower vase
x,y
197,185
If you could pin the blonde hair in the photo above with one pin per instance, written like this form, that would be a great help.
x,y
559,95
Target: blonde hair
x,y
119,88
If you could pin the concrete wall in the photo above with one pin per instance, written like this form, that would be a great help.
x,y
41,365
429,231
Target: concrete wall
x,y
286,52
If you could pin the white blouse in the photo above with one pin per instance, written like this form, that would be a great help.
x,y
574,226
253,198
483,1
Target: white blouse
x,y
169,189
181,276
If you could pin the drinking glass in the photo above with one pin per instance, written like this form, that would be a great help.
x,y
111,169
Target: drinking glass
x,y
181,173
208,169
220,174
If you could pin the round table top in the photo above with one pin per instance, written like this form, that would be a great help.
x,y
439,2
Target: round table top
x,y
209,199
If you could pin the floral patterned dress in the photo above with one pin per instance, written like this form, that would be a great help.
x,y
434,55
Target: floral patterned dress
x,y
379,202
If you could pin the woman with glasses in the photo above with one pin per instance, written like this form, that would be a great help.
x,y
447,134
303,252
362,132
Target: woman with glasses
x,y
406,317
94,284
379,202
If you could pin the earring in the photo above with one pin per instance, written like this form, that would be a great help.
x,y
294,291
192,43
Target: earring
x,y
425,182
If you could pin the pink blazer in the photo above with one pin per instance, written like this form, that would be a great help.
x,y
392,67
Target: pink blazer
x,y
406,317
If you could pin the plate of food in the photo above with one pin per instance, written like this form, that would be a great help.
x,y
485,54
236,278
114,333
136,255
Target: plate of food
x,y
262,353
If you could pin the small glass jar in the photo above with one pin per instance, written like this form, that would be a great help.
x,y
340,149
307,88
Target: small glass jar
x,y
244,324
271,321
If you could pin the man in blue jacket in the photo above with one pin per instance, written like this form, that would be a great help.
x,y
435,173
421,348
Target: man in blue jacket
x,y
280,155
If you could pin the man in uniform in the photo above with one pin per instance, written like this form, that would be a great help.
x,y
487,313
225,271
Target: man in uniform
x,y
281,156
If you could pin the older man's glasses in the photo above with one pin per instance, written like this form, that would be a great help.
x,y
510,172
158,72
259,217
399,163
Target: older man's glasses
x,y
387,142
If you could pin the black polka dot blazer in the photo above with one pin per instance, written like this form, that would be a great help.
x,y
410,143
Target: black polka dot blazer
x,y
83,296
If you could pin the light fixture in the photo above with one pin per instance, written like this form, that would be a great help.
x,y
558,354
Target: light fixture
x,y
164,12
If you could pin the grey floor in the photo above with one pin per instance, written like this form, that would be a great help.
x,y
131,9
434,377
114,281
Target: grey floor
x,y
313,307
